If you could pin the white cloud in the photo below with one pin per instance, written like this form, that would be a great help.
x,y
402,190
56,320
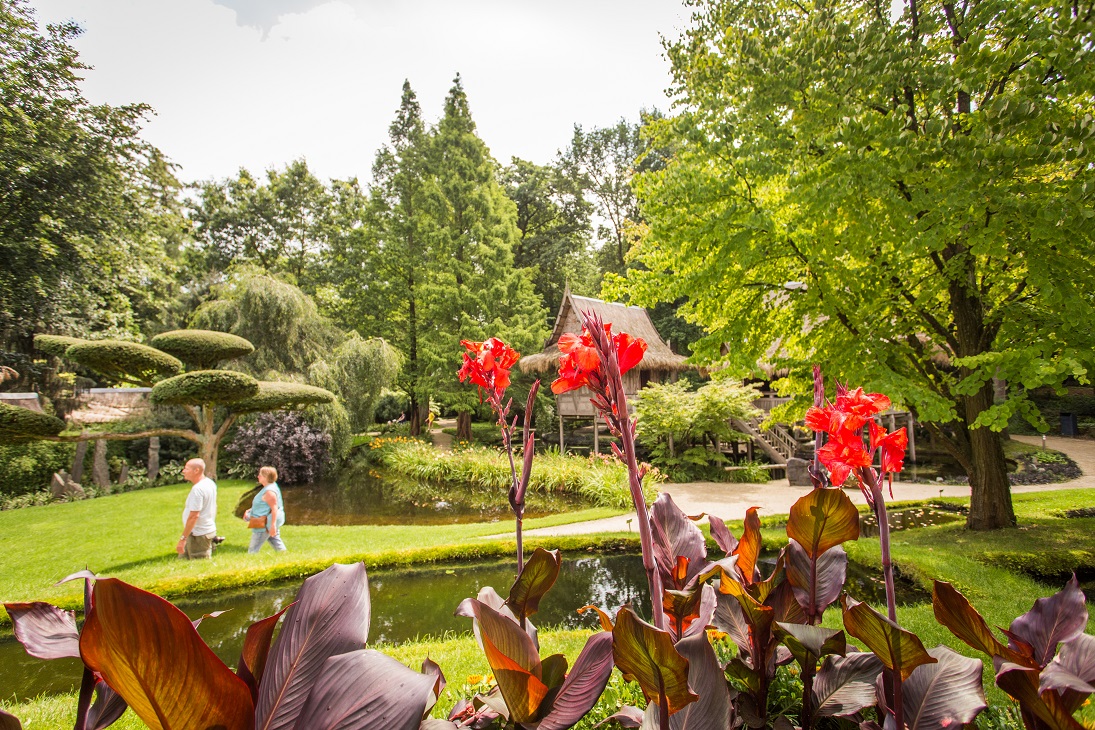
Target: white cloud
x,y
323,80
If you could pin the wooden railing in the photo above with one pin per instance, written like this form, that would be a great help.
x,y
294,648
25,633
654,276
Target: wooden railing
x,y
768,402
776,441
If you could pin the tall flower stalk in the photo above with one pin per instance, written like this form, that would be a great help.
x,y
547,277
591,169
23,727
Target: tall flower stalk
x,y
598,359
844,455
487,364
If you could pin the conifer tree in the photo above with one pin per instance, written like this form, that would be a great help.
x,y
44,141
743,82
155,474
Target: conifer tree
x,y
482,291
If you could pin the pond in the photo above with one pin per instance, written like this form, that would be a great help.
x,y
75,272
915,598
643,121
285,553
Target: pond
x,y
409,603
364,496
907,519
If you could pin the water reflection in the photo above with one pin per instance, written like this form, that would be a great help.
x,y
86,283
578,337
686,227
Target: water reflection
x,y
364,496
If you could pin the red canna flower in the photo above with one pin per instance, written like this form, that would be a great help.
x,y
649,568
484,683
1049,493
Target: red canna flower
x,y
487,364
893,447
843,454
580,357
858,407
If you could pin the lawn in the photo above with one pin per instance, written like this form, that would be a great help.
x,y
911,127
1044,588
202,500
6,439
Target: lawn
x,y
132,536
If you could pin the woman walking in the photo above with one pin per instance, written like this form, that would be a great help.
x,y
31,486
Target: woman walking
x,y
267,513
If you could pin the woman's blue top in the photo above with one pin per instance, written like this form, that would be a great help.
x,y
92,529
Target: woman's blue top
x,y
259,508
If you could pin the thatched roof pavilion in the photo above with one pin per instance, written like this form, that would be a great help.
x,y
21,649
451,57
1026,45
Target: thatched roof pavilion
x,y
658,364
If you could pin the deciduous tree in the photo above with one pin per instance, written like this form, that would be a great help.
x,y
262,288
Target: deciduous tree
x,y
904,196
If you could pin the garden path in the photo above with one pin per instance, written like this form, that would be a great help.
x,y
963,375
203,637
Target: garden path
x,y
441,439
730,501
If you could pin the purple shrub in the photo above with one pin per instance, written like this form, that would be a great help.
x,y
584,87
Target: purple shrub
x,y
286,441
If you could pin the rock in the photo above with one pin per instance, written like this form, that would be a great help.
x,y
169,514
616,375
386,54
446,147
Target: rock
x,y
798,473
124,476
62,487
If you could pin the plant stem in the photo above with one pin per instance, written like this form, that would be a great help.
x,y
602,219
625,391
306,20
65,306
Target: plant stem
x,y
653,578
513,473
87,686
891,594
807,719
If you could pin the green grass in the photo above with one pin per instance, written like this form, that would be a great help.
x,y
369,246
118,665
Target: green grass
x,y
132,536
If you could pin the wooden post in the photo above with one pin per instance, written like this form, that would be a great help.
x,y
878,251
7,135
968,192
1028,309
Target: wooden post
x,y
912,438
749,449
596,436
562,446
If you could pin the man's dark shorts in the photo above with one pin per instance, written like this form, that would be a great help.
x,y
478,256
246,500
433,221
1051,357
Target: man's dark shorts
x,y
198,546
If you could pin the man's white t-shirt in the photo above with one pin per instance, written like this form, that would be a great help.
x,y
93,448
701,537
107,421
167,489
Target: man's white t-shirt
x,y
203,500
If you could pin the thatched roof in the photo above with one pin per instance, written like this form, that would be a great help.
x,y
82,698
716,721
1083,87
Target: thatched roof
x,y
623,318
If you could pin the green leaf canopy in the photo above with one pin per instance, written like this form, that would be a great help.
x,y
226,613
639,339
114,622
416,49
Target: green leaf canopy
x,y
202,348
205,386
124,361
16,421
272,396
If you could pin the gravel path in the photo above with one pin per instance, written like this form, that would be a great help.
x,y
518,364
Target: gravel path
x,y
730,501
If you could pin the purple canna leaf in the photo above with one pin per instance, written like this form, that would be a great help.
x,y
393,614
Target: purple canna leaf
x,y
1053,620
583,686
330,617
430,668
365,690
845,685
197,622
434,723
943,695
44,630
1072,670
628,716
1022,684
706,614
721,534
713,710
107,709
675,537
537,577
9,721
256,649
79,575
816,587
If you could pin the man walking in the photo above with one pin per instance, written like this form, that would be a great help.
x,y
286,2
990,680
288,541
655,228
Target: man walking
x,y
199,515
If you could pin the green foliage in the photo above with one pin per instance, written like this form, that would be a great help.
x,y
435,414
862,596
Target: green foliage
x,y
16,422
276,395
56,345
205,386
202,349
676,423
77,250
433,263
358,371
126,362
280,224
748,472
599,480
25,468
281,321
553,230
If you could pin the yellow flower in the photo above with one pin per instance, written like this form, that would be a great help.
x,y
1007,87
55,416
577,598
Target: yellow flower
x,y
475,678
715,634
490,678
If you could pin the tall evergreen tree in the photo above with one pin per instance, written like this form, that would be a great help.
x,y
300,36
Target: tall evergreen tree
x,y
388,267
481,292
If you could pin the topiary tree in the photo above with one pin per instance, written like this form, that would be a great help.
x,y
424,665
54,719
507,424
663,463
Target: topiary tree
x,y
214,399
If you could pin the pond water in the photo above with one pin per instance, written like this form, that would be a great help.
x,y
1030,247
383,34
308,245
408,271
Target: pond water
x,y
365,496
407,604
906,519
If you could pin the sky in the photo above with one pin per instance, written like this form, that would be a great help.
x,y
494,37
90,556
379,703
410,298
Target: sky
x,y
258,83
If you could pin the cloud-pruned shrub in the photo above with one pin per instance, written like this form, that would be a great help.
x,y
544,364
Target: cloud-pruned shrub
x,y
202,349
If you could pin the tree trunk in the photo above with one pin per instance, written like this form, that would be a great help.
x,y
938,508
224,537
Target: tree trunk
x,y
78,462
208,454
463,426
153,458
100,472
412,417
990,491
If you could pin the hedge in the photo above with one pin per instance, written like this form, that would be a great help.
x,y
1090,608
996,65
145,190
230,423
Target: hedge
x,y
16,421
202,348
273,395
205,386
123,360
56,345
